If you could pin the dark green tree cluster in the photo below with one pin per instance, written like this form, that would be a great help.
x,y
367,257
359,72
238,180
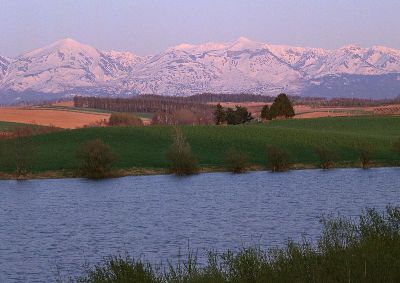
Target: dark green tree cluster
x,y
236,116
282,107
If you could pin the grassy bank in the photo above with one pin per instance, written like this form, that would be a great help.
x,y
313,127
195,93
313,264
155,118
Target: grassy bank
x,y
144,148
366,250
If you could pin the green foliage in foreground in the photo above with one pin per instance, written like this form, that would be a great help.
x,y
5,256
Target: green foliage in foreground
x,y
364,251
146,147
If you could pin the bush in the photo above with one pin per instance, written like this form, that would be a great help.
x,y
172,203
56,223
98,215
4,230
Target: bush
x,y
367,250
396,148
278,159
124,119
326,156
365,156
182,162
22,150
96,159
236,161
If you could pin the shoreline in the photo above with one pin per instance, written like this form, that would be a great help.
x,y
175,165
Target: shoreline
x,y
137,171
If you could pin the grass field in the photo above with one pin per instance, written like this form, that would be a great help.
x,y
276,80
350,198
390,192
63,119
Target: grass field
x,y
145,147
10,126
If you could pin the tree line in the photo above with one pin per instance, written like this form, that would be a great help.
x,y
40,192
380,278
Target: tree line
x,y
281,107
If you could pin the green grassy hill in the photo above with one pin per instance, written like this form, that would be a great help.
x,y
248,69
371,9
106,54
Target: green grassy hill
x,y
146,146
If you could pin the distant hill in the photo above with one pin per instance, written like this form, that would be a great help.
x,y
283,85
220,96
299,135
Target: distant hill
x,y
67,67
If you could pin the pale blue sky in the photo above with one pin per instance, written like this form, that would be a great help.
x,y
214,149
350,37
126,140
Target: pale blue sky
x,y
150,26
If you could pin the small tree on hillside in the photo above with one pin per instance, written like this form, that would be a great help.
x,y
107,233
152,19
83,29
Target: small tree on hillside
x,y
365,156
236,161
278,159
96,159
326,156
282,107
396,148
265,113
22,150
219,115
182,162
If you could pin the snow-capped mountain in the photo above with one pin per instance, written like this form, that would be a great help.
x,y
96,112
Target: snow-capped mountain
x,y
68,67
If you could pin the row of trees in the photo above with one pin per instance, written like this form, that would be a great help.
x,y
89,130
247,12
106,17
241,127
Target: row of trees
x,y
141,103
281,107
236,116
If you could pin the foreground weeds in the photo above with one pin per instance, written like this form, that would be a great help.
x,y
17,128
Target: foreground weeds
x,y
367,250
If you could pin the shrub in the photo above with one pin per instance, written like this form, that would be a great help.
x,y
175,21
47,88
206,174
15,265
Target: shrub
x,y
124,119
236,161
278,159
22,150
396,147
182,162
326,156
96,159
365,156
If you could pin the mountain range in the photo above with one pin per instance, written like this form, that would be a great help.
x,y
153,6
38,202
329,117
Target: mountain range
x,y
67,67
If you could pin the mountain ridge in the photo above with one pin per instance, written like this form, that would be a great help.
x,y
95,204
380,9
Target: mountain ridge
x,y
68,67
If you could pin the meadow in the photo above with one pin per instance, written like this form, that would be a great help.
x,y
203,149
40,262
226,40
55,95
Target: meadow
x,y
145,147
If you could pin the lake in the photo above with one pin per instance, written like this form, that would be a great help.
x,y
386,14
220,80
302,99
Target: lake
x,y
56,226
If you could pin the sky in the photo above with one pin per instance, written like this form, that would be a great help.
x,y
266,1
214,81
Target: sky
x,y
150,26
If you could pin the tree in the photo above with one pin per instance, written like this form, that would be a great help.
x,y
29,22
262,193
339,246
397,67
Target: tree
x,y
282,107
96,159
278,159
238,116
326,156
219,115
396,147
236,161
22,150
243,116
184,117
180,157
365,156
265,113
124,119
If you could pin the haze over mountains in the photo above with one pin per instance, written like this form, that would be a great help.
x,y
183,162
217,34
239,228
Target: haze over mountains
x,y
68,67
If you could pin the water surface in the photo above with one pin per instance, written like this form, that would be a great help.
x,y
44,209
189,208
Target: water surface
x,y
50,226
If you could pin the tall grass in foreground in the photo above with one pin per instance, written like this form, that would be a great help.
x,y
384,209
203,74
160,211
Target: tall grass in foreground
x,y
367,250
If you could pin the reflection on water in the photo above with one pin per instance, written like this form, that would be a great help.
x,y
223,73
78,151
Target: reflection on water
x,y
47,225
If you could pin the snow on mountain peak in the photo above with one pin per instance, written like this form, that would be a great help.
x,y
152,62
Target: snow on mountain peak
x,y
243,43
66,45
243,65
